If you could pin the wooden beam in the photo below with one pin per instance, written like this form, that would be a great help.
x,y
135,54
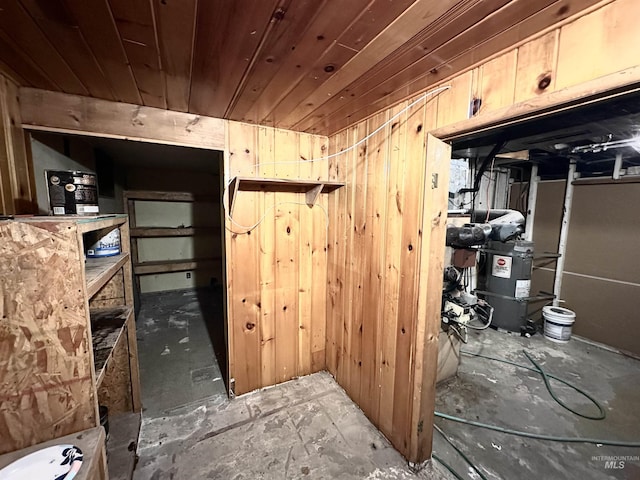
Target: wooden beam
x,y
64,113
17,184
167,196
600,89
158,232
434,218
168,266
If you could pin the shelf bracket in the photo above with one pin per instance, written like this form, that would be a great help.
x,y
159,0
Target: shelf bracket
x,y
313,194
233,189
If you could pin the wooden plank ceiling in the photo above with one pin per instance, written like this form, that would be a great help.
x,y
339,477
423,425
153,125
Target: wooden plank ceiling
x,y
312,65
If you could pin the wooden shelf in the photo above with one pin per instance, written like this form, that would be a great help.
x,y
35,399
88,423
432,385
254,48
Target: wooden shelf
x,y
98,271
159,232
84,223
167,196
90,224
107,327
312,188
167,266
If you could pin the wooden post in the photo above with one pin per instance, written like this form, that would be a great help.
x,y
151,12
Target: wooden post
x,y
17,184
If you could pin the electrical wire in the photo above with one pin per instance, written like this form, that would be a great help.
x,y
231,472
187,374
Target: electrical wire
x,y
490,201
248,228
460,452
489,319
424,96
546,376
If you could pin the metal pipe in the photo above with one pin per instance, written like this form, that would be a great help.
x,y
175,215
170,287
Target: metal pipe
x,y
564,232
617,167
531,203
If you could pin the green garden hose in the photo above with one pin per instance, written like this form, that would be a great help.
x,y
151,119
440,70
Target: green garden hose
x,y
545,377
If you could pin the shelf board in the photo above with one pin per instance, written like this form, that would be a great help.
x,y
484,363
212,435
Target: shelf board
x,y
158,232
149,195
90,224
107,327
85,223
312,188
167,266
98,271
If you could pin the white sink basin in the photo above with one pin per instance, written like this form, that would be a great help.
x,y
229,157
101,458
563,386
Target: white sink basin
x,y
60,462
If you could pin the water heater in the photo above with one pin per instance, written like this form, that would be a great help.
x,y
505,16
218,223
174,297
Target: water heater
x,y
508,282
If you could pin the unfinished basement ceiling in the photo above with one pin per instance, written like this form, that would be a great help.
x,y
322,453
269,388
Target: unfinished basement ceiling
x,y
308,65
592,135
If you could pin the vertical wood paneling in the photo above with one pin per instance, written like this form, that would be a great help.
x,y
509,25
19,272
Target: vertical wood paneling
x,y
536,61
267,237
394,215
336,256
454,104
409,267
434,217
277,286
498,78
374,333
319,245
373,284
357,264
599,43
244,259
287,260
17,187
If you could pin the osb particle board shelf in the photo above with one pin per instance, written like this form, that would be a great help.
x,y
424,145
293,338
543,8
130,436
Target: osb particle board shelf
x,y
98,271
107,327
168,266
84,223
159,232
312,188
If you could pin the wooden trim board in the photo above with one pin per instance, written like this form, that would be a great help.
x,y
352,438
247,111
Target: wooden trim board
x,y
66,113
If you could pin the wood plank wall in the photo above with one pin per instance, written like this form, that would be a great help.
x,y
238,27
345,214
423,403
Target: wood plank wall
x,y
373,294
577,58
277,271
17,185
379,325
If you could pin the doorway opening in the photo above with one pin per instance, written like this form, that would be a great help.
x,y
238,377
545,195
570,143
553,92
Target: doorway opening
x,y
173,197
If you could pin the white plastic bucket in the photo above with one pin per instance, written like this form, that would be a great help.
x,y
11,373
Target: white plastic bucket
x,y
107,246
558,323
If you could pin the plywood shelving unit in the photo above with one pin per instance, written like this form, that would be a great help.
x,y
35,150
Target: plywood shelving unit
x,y
165,266
69,332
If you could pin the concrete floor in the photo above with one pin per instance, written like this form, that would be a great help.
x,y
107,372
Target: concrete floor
x,y
176,332
306,428
309,428
507,396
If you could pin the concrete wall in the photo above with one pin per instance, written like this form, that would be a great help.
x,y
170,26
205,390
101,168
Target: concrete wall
x,y
63,152
174,214
600,280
